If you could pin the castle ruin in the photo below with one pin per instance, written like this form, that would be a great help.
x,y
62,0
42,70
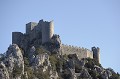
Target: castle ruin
x,y
43,29
43,32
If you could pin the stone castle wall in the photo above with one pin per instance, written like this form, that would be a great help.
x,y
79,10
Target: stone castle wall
x,y
47,31
30,26
43,30
51,29
96,53
16,37
81,52
32,29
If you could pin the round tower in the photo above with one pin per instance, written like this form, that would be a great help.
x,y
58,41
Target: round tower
x,y
51,29
47,31
96,53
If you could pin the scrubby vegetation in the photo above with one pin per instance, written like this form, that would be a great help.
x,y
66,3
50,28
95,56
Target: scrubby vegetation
x,y
91,63
40,50
41,75
16,71
66,66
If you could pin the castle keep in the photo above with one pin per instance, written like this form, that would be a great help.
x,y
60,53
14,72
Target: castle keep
x,y
43,32
43,29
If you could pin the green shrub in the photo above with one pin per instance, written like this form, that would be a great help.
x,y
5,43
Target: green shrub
x,y
56,62
30,73
93,74
17,71
26,61
59,64
115,76
40,50
65,57
91,63
78,68
53,61
2,57
66,74
41,75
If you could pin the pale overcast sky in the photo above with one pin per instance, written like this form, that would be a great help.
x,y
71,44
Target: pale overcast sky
x,y
83,23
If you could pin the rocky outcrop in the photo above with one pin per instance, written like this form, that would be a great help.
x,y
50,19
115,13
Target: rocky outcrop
x,y
3,71
53,75
13,61
39,60
54,46
38,54
86,69
41,64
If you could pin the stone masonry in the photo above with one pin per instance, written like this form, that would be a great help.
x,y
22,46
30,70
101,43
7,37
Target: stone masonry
x,y
81,52
42,32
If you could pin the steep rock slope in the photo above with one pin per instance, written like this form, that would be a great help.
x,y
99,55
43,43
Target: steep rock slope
x,y
40,63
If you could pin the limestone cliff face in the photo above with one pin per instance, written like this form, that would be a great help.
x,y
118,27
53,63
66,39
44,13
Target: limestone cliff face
x,y
3,71
43,64
13,60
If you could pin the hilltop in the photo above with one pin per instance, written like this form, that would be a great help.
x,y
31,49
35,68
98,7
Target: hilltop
x,y
40,54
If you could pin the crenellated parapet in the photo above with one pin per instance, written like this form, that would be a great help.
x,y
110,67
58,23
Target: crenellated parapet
x,y
81,52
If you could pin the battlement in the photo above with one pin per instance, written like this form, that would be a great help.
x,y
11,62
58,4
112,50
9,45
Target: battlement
x,y
81,52
76,47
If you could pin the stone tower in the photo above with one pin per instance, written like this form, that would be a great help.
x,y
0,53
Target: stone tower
x,y
44,27
96,53
47,31
16,37
30,26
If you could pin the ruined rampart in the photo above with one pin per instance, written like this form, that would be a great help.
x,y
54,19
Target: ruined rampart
x,y
81,52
